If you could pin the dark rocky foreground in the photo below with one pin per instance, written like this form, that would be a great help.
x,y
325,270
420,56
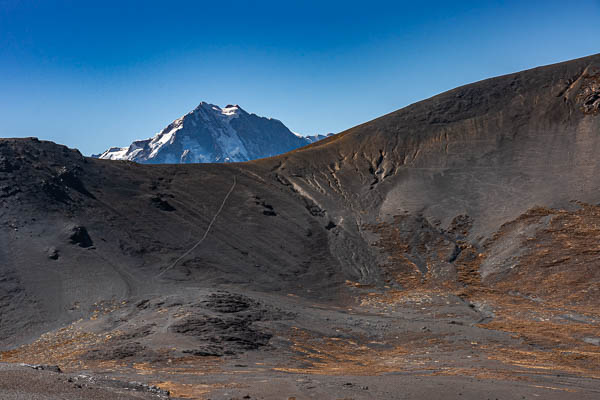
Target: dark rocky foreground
x,y
446,250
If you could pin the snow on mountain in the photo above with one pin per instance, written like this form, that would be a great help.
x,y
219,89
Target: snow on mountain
x,y
316,138
210,133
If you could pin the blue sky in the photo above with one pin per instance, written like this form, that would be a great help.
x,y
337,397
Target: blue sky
x,y
95,74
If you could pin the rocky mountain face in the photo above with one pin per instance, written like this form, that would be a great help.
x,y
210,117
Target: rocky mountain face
x,y
211,134
455,239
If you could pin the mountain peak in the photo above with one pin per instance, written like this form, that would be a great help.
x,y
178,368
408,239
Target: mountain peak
x,y
210,133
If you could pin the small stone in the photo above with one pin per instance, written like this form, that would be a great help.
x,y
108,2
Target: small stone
x,y
52,253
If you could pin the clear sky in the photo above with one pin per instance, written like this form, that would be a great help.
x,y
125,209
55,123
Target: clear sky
x,y
95,74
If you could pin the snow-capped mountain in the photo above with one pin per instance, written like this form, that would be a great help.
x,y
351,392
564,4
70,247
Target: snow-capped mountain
x,y
210,133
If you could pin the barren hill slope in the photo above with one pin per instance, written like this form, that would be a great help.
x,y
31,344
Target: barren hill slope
x,y
484,197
